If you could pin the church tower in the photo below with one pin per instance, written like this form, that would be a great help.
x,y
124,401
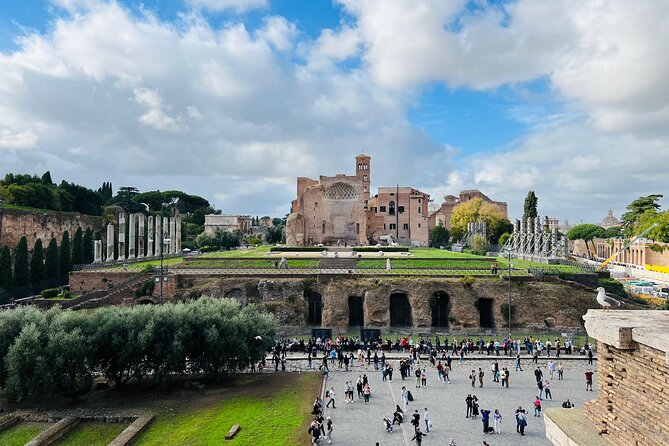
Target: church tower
x,y
362,171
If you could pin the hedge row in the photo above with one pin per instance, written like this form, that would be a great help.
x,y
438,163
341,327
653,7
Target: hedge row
x,y
58,351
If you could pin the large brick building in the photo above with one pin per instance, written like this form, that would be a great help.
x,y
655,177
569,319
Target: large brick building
x,y
340,209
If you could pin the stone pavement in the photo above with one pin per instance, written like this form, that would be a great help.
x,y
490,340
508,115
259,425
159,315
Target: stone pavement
x,y
358,424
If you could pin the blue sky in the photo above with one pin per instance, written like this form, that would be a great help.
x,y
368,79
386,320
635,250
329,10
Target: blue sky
x,y
233,99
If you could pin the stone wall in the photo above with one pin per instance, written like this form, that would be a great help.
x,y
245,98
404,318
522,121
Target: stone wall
x,y
82,282
633,381
15,223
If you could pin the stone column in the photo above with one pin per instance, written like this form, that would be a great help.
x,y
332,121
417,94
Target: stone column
x,y
173,235
132,230
140,236
121,236
110,243
150,237
178,235
157,239
97,250
165,234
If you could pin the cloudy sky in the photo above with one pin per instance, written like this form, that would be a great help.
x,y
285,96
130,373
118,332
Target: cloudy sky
x,y
232,99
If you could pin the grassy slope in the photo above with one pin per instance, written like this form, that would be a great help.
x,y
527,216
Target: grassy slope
x,y
267,419
260,263
20,434
91,434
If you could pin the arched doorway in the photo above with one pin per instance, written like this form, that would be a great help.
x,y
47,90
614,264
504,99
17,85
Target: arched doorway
x,y
440,305
315,302
356,314
486,319
400,310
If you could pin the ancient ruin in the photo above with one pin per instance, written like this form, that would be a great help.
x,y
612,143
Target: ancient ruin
x,y
533,241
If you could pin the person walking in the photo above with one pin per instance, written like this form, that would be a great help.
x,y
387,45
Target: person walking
x,y
472,377
426,419
588,379
560,371
547,390
551,368
468,401
485,418
418,436
330,395
405,398
328,431
367,392
518,367
446,371
537,407
415,420
423,378
497,418
481,373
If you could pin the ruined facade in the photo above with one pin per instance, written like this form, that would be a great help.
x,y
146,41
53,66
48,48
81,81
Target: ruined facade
x,y
228,223
340,209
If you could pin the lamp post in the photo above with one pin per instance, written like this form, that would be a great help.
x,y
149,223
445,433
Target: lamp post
x,y
163,240
508,252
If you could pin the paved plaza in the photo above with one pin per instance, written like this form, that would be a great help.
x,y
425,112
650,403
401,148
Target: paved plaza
x,y
358,424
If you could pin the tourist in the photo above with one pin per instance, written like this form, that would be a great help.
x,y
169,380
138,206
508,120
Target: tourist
x,y
472,377
405,398
447,370
418,436
485,418
547,390
475,406
537,407
518,367
521,421
507,375
551,368
330,395
540,387
590,356
535,356
567,404
328,431
538,374
423,378
481,373
388,425
495,372
315,432
359,387
367,392
497,417
469,401
452,442
415,420
398,415
588,379
560,372
427,421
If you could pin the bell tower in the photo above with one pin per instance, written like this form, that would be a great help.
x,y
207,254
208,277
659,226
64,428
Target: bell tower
x,y
362,171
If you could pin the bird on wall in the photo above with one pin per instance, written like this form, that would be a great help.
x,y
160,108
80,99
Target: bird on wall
x,y
604,300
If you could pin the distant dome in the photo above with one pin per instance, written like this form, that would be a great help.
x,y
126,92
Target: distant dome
x,y
340,191
610,221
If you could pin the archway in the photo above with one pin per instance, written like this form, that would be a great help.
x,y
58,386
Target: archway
x,y
486,319
315,307
400,310
440,305
356,314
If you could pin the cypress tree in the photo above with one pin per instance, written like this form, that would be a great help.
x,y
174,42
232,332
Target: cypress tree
x,y
88,246
6,276
78,247
530,206
37,263
21,265
65,255
52,261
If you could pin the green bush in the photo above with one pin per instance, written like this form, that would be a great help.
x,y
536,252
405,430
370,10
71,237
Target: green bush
x,y
50,293
467,281
612,286
146,289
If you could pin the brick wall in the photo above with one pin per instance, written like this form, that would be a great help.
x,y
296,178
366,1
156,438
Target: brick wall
x,y
633,396
86,281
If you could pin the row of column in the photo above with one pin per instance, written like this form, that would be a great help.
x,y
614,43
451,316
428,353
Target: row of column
x,y
530,238
163,235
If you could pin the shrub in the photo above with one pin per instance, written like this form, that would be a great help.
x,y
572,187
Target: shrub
x,y
50,293
146,289
612,286
467,281
505,311
479,245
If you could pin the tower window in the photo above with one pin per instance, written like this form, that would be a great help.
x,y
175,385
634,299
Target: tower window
x,y
364,178
406,226
419,210
382,209
400,209
391,208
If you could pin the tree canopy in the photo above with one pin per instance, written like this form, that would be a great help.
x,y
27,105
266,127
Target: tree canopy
x,y
530,206
473,211
585,232
439,236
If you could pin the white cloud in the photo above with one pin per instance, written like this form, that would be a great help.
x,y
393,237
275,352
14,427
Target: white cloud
x,y
17,139
155,116
222,5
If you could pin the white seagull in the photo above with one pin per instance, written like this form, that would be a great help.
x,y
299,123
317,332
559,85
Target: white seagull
x,y
604,300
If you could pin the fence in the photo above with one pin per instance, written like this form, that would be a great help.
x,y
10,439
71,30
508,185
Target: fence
x,y
123,264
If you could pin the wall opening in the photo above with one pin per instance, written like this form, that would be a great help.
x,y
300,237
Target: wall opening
x,y
400,310
315,302
356,313
486,319
440,304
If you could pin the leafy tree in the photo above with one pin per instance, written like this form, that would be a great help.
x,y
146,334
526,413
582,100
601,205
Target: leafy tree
x,y
28,367
473,211
661,232
6,276
274,234
124,198
637,208
497,227
439,236
503,238
52,262
615,231
586,232
65,255
89,249
78,247
276,221
479,245
530,206
37,263
21,264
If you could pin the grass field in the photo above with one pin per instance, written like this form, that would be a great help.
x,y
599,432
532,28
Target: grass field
x,y
91,434
20,434
442,253
267,418
260,263
260,251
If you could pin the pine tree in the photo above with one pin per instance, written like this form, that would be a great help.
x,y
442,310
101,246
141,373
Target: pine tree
x,y
530,206
37,263
52,261
78,247
6,276
88,246
21,265
65,255
46,178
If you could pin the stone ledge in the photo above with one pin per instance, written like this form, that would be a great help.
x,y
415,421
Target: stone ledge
x,y
131,432
570,427
53,433
7,421
624,328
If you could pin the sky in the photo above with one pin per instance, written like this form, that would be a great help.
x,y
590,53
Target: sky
x,y
234,99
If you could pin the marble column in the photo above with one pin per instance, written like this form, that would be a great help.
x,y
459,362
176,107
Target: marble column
x,y
173,235
110,243
121,236
165,235
140,236
158,237
97,250
132,231
150,237
178,235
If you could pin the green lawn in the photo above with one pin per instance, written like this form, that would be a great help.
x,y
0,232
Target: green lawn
x,y
442,253
91,434
503,264
266,418
260,263
20,433
260,251
425,263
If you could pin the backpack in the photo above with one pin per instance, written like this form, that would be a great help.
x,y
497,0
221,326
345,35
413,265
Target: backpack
x,y
417,373
327,394
409,396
